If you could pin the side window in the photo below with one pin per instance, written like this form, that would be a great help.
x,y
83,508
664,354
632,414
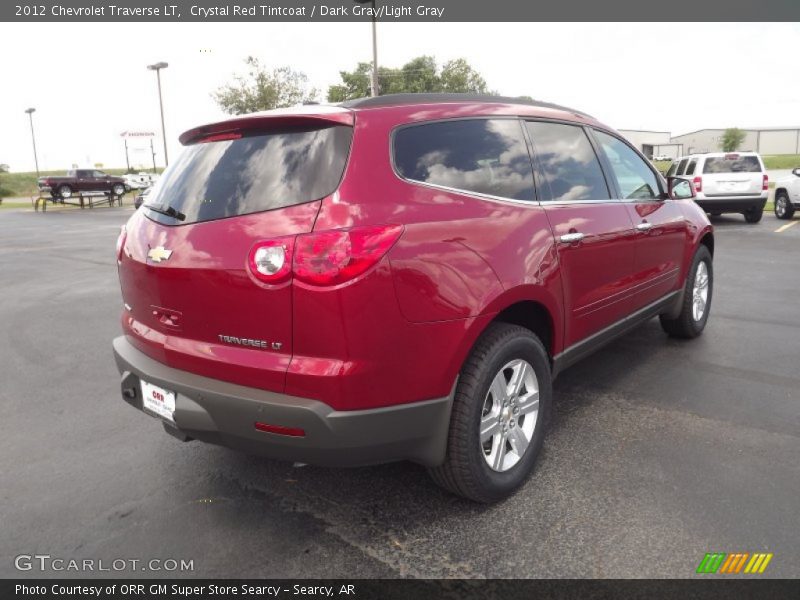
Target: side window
x,y
682,166
82,174
486,156
635,179
99,174
691,166
569,165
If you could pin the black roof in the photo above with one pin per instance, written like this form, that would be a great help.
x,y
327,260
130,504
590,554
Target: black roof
x,y
428,98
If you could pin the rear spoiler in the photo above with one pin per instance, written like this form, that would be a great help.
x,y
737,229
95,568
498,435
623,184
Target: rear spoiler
x,y
322,115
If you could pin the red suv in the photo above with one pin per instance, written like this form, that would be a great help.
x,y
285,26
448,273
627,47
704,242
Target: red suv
x,y
398,278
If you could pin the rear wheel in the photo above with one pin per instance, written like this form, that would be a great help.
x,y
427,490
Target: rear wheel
x,y
697,294
783,207
118,189
64,192
499,415
754,215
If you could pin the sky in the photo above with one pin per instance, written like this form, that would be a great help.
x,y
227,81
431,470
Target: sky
x,y
675,77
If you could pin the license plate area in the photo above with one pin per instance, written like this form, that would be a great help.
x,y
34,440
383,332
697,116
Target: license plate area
x,y
157,401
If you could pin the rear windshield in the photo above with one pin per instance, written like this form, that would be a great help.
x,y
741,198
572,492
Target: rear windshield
x,y
254,173
739,164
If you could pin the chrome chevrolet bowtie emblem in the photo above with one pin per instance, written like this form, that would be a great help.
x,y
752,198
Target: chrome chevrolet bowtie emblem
x,y
158,254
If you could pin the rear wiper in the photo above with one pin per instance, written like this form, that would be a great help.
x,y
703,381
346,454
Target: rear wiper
x,y
166,210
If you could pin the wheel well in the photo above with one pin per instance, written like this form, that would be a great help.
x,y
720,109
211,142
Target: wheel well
x,y
779,190
708,242
532,316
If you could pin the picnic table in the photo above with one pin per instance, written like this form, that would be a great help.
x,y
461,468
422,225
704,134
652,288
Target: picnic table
x,y
81,199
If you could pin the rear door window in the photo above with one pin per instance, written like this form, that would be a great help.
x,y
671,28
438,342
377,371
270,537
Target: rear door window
x,y
732,164
635,179
484,156
682,166
252,173
567,163
691,167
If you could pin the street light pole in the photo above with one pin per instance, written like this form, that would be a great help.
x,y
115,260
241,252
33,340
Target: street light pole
x,y
30,112
157,68
374,79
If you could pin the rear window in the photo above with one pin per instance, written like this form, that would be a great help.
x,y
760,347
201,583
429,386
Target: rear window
x,y
486,156
257,172
738,164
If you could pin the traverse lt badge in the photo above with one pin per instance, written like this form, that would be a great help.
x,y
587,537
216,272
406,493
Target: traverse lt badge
x,y
158,254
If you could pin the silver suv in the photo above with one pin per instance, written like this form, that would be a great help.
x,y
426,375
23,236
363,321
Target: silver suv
x,y
726,182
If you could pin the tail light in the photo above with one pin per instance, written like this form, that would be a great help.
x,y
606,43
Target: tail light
x,y
270,261
123,234
698,184
765,183
322,258
334,257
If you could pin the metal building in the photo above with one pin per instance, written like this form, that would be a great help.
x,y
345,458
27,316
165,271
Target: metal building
x,y
765,140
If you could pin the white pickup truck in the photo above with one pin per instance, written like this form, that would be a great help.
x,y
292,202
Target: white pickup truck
x,y
787,195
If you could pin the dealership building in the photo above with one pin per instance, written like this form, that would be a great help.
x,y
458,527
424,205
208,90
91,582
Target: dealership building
x,y
764,140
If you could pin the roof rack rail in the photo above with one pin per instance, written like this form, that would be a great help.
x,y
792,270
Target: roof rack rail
x,y
433,98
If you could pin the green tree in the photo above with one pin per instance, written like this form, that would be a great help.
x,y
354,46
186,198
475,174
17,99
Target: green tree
x,y
732,139
4,168
419,75
458,76
260,89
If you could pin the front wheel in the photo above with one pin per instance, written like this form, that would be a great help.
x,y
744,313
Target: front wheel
x,y
500,411
696,305
783,207
118,189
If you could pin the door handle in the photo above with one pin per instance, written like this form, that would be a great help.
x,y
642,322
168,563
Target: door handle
x,y
644,226
570,238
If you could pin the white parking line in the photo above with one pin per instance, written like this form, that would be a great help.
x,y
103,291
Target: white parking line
x,y
785,227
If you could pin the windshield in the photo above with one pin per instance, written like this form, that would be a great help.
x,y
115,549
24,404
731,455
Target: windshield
x,y
252,173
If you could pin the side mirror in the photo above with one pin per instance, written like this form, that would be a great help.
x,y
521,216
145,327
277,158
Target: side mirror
x,y
680,188
796,171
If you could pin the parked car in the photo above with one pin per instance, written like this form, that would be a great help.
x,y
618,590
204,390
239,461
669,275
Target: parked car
x,y
398,278
787,195
140,181
82,180
141,197
726,182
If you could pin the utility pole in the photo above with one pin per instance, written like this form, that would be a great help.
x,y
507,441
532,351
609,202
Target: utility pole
x,y
157,68
374,80
30,112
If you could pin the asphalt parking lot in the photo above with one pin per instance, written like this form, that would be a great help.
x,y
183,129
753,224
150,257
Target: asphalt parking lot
x,y
659,450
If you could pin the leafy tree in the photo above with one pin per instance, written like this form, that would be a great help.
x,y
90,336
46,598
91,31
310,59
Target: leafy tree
x,y
4,168
732,139
458,76
261,89
419,75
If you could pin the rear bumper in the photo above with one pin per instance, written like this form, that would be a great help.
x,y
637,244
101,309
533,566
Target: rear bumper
x,y
736,204
224,413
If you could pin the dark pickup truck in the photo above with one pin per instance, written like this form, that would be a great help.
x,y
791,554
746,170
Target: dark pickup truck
x,y
82,181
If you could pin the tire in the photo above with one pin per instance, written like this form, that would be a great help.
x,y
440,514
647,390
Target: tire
x,y
117,189
64,192
686,325
754,216
783,207
499,354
